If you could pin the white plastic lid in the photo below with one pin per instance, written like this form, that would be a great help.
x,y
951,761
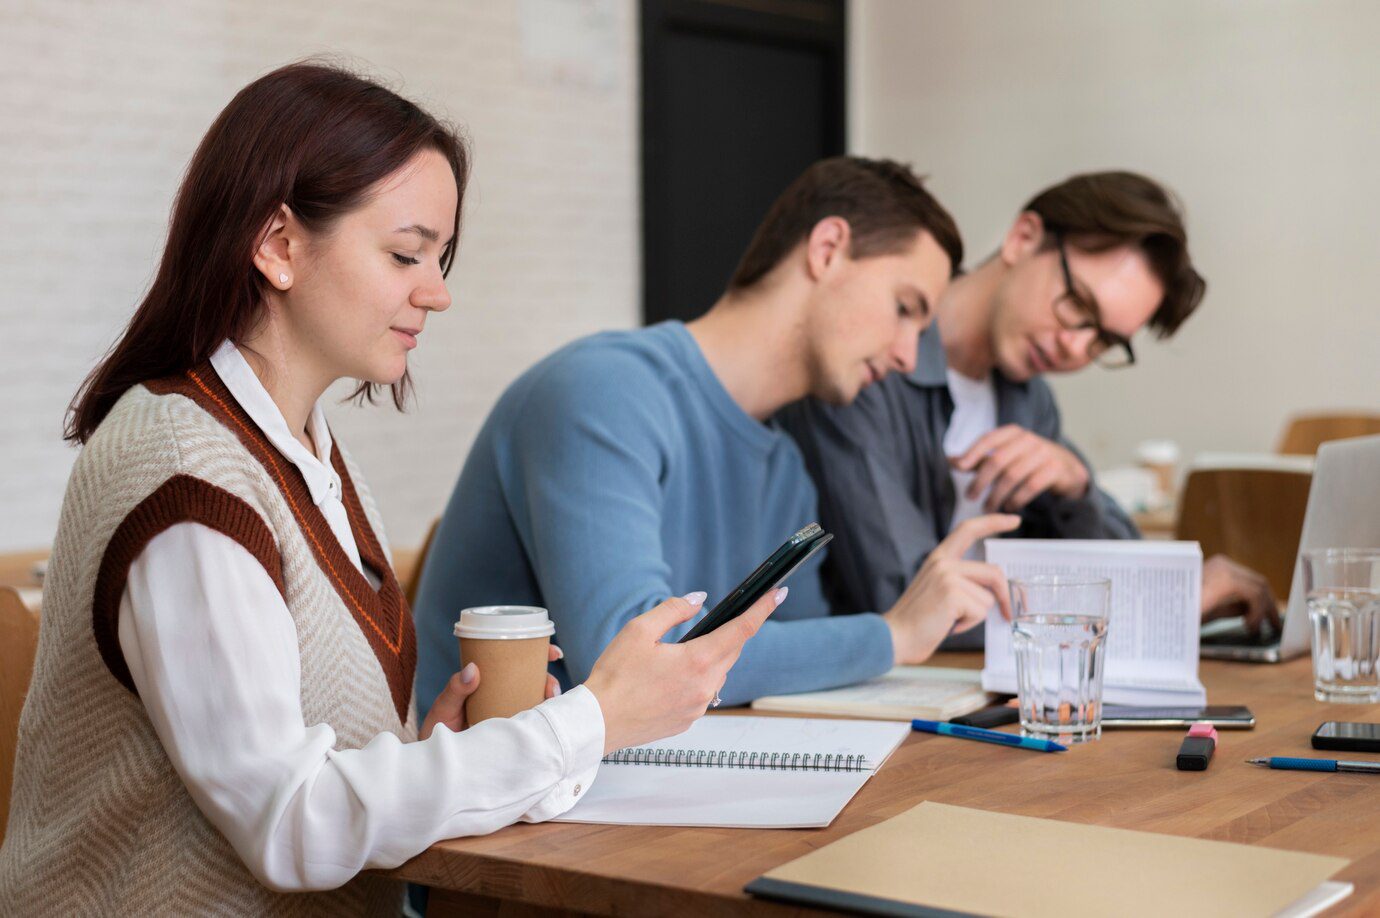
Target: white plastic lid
x,y
504,623
1158,452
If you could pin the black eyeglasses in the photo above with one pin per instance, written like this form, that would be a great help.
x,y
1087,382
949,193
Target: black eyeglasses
x,y
1077,312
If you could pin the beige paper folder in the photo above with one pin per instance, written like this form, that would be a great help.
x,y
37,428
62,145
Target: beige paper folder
x,y
971,861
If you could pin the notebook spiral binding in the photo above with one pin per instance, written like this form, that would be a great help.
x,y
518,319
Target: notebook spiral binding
x,y
707,758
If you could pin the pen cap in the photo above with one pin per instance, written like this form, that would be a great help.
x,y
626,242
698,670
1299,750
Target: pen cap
x,y
1205,730
1198,746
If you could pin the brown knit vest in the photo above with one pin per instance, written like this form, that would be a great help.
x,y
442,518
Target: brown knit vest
x,y
100,823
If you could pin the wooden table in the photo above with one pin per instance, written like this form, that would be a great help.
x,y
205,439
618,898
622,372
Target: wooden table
x,y
1127,780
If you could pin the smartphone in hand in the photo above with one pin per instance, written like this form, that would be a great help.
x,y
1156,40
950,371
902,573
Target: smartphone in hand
x,y
768,576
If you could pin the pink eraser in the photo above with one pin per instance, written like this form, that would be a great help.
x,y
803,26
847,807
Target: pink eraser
x,y
1207,730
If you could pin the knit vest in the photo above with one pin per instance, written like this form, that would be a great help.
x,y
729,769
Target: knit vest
x,y
100,823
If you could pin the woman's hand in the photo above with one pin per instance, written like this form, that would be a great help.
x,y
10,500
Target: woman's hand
x,y
449,707
648,690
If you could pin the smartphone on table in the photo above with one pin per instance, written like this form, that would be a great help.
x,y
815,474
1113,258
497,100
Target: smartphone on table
x,y
1227,717
1349,737
772,572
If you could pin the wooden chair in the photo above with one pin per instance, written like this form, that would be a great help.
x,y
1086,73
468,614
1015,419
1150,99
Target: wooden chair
x,y
1305,433
1254,515
414,576
18,643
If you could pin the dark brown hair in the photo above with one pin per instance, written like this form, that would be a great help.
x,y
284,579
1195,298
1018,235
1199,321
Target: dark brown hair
x,y
883,201
1103,210
309,135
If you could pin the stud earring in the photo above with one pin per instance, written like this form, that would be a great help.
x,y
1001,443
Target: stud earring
x,y
282,278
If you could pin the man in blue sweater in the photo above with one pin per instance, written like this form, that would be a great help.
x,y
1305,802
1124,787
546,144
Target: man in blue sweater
x,y
632,466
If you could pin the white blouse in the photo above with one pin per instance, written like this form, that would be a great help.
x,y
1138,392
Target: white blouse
x,y
222,688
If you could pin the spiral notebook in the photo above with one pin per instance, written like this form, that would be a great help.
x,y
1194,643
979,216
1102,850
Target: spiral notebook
x,y
741,772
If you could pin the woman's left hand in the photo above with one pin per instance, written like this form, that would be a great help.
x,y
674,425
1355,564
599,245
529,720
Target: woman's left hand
x,y
449,707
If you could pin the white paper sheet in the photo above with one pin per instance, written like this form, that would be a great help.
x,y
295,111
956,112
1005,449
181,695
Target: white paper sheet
x,y
691,795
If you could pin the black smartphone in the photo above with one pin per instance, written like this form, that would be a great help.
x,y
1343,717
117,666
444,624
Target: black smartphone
x,y
998,715
1352,737
1228,717
768,576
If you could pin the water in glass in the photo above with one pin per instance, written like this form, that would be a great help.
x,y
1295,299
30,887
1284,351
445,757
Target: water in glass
x,y
1059,674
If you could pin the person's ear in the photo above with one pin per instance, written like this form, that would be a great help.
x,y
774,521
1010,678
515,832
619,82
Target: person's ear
x,y
279,243
827,243
1023,239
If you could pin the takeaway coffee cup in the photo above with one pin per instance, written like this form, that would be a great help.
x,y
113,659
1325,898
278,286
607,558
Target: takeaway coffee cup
x,y
509,644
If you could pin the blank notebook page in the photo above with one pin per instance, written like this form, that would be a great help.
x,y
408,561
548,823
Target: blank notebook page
x,y
799,772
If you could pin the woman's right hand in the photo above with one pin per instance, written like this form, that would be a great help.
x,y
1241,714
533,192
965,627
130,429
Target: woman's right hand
x,y
648,690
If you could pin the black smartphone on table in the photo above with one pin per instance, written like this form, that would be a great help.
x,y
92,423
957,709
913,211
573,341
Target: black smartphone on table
x,y
1227,717
1350,737
769,575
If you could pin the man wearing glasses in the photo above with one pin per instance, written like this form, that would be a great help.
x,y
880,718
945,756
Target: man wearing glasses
x,y
974,429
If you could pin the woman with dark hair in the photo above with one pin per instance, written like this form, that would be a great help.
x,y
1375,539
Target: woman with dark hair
x,y
221,714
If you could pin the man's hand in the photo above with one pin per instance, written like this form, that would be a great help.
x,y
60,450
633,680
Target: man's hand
x,y
1230,589
949,593
1018,466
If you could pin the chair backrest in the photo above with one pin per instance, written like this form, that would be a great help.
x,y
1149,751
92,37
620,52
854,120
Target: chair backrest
x,y
414,577
18,643
1255,515
1305,433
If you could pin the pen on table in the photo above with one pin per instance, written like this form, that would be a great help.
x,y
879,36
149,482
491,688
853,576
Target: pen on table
x,y
986,736
1292,764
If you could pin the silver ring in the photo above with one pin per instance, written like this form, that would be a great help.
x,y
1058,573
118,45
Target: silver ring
x,y
717,701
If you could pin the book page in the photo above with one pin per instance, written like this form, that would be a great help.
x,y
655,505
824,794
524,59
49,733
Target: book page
x,y
1153,626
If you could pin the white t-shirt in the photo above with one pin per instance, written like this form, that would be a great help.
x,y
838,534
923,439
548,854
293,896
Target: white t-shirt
x,y
975,414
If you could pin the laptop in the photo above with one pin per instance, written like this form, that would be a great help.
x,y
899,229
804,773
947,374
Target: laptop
x,y
1343,512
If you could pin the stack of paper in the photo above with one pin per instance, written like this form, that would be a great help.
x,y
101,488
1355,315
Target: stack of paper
x,y
1152,633
904,693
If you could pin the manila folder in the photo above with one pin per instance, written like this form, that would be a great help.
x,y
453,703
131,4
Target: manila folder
x,y
941,859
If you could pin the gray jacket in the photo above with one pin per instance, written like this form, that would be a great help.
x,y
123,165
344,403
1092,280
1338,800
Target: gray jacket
x,y
884,485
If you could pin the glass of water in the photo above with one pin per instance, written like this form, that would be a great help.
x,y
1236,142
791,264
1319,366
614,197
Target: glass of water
x,y
1059,631
1343,588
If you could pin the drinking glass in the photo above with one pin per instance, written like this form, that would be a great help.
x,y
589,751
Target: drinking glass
x,y
1059,632
1343,589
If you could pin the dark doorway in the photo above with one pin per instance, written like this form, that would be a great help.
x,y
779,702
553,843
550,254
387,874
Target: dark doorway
x,y
737,99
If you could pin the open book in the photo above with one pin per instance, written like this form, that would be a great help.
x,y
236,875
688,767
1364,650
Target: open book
x,y
904,693
760,772
1152,632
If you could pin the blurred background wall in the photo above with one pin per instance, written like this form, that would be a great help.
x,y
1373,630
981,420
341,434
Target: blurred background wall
x,y
1260,115
102,104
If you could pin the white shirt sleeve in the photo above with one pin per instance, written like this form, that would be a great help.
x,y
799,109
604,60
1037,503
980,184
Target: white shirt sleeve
x,y
212,650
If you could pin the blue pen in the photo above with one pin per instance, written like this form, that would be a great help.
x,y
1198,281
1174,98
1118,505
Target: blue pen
x,y
1292,764
987,736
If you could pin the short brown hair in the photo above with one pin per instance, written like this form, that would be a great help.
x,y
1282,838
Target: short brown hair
x,y
883,201
1098,211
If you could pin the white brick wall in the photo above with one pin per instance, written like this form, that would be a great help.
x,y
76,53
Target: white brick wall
x,y
102,103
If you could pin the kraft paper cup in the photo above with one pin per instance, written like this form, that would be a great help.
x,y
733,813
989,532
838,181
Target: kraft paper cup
x,y
509,644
